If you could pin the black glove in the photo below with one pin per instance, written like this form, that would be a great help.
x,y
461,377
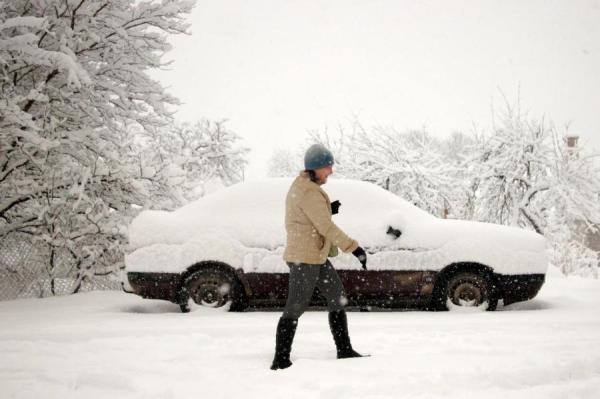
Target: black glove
x,y
335,207
362,256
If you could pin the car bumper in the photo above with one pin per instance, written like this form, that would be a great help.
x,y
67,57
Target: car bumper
x,y
156,285
517,288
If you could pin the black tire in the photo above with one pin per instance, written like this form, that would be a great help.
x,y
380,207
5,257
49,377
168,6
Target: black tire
x,y
212,288
466,289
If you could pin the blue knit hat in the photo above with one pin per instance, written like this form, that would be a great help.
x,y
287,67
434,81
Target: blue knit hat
x,y
317,156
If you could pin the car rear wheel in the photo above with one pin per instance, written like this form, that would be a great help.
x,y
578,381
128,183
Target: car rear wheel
x,y
212,288
467,289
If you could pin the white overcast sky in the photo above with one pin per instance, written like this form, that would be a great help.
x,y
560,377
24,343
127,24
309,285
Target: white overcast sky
x,y
276,68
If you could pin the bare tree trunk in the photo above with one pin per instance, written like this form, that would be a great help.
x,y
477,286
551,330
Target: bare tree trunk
x,y
52,282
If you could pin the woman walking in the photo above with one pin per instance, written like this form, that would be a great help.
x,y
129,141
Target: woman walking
x,y
311,238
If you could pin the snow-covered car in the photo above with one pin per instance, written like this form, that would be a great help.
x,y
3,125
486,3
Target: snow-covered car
x,y
227,247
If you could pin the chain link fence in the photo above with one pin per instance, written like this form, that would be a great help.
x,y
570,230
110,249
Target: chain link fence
x,y
25,273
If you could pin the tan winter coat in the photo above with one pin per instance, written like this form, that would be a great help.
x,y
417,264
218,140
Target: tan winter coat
x,y
310,230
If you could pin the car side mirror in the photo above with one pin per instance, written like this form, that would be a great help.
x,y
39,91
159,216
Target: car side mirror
x,y
395,232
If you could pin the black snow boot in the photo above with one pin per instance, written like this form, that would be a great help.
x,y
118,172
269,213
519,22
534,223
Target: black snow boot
x,y
286,329
338,322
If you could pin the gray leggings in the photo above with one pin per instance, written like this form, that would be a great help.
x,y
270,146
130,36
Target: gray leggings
x,y
303,280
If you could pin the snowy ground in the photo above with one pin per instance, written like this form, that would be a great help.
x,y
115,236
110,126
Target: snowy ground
x,y
116,345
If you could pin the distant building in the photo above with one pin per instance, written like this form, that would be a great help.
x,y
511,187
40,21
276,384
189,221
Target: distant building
x,y
572,141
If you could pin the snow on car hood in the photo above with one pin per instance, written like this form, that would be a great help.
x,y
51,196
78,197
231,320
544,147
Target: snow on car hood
x,y
243,225
435,233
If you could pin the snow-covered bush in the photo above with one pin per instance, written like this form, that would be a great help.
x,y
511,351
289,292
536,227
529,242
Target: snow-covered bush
x,y
574,258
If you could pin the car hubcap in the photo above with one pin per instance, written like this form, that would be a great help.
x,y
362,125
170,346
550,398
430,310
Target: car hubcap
x,y
210,293
467,295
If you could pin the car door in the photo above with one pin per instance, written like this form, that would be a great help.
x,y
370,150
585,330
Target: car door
x,y
395,282
381,285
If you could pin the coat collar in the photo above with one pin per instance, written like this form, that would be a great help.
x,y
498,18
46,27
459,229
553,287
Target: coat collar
x,y
305,179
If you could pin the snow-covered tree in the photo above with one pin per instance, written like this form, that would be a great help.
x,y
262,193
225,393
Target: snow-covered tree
x,y
410,164
285,163
73,77
524,170
191,158
524,175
